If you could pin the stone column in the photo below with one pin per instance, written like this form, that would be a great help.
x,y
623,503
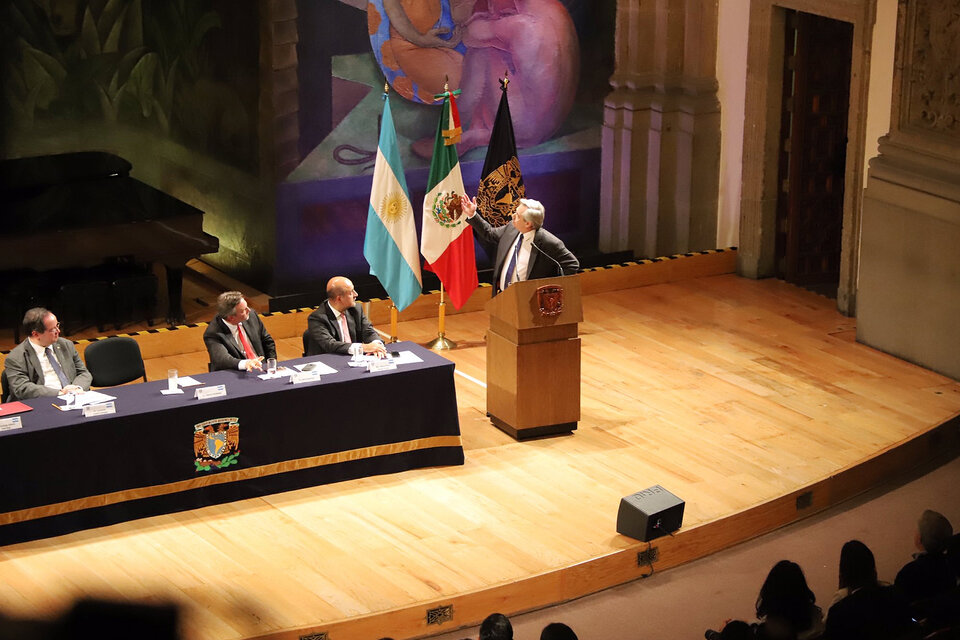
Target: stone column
x,y
661,131
909,288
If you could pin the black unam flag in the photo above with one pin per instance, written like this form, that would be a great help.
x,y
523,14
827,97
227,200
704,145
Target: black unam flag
x,y
501,184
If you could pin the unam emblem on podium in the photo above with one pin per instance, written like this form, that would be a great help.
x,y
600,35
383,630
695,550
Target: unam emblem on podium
x,y
550,300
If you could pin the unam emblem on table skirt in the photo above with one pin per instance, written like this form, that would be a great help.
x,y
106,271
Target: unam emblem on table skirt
x,y
216,443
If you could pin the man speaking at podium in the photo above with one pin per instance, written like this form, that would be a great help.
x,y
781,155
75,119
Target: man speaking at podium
x,y
524,249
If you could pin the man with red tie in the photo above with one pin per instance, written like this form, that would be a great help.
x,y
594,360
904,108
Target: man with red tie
x,y
339,323
236,338
44,364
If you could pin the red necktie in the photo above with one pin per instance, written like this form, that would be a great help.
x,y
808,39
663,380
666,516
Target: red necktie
x,y
344,330
247,349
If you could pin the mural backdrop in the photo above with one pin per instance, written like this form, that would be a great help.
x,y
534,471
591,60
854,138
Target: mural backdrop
x,y
174,86
171,67
558,55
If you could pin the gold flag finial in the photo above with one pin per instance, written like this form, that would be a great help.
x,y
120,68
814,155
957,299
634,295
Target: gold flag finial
x,y
386,87
505,80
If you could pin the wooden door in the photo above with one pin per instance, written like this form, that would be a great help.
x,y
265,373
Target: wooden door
x,y
813,144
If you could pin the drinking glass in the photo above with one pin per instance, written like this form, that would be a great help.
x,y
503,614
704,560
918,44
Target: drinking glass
x,y
172,381
271,366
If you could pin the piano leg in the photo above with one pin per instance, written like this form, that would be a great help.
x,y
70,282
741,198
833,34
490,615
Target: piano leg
x,y
175,313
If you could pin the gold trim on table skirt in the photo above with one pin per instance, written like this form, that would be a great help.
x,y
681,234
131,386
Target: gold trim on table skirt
x,y
215,478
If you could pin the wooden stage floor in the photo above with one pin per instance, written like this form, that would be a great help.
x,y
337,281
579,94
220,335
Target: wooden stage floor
x,y
749,399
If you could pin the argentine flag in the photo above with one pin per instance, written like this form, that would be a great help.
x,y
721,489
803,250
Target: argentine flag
x,y
390,245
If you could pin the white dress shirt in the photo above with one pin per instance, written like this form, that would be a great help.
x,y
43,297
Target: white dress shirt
x,y
50,377
235,332
345,338
523,260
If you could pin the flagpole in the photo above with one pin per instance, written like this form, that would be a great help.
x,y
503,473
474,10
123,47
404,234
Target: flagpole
x,y
441,343
393,322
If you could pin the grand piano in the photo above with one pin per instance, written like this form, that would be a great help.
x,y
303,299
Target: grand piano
x,y
81,211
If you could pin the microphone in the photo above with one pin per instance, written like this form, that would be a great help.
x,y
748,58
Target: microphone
x,y
552,259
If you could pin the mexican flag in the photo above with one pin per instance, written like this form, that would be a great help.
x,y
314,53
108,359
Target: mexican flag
x,y
446,240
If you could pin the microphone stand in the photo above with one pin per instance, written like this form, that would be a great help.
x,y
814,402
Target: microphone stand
x,y
552,259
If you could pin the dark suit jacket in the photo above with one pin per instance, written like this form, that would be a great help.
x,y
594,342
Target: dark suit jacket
x,y
499,241
871,613
323,332
25,376
926,576
224,351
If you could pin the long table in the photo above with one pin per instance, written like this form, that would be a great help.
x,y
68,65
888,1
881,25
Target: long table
x,y
62,472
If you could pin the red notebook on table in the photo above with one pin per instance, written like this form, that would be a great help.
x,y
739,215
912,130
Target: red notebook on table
x,y
10,408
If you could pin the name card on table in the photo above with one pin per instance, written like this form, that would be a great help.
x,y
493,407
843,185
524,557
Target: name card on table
x,y
11,423
385,364
203,393
299,377
102,409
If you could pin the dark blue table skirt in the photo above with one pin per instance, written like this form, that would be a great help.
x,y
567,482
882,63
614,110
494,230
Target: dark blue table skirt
x,y
62,472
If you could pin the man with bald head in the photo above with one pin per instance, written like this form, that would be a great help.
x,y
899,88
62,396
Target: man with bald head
x,y
340,323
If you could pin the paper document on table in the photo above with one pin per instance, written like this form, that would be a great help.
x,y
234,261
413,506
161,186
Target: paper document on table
x,y
324,370
87,397
407,357
187,381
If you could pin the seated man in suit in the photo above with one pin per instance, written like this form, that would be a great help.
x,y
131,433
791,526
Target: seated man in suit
x,y
524,249
44,364
340,323
236,338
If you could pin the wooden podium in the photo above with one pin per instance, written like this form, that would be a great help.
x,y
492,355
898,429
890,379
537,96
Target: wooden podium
x,y
533,357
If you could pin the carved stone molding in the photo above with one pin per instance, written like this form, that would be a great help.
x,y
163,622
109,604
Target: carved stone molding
x,y
931,96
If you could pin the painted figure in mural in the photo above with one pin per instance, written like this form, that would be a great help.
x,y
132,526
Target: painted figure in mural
x,y
534,40
419,43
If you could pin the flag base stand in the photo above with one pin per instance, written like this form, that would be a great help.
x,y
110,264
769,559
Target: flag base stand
x,y
441,343
393,323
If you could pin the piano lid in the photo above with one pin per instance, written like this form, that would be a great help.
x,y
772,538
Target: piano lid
x,y
41,171
78,190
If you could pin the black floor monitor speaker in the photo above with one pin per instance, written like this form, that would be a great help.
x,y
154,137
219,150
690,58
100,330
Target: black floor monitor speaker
x,y
649,514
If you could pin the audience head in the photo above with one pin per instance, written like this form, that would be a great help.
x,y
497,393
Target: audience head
x,y
933,532
736,630
557,631
496,626
41,325
93,618
232,307
785,595
857,566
